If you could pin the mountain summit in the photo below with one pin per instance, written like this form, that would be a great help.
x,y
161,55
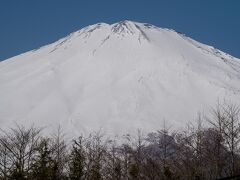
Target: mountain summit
x,y
118,77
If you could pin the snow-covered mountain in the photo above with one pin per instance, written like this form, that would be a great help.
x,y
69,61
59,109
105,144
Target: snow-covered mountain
x,y
118,77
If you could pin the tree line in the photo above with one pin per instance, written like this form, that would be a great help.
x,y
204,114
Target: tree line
x,y
197,152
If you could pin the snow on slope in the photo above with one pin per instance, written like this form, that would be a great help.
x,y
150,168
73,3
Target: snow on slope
x,y
117,77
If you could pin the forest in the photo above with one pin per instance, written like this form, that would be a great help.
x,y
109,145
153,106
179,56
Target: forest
x,y
208,148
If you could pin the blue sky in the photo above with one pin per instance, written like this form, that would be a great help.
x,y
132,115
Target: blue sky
x,y
29,24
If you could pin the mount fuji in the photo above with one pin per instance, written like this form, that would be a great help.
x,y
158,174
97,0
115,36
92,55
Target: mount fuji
x,y
117,77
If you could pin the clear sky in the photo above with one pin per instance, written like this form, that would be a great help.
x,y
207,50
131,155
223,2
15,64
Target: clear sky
x,y
29,24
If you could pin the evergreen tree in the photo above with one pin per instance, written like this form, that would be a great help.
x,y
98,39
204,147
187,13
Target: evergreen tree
x,y
18,173
77,160
134,171
43,163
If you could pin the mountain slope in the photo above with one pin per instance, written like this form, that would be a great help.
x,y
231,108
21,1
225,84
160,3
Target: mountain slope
x,y
117,77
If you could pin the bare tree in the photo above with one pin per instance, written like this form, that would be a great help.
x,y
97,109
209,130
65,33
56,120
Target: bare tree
x,y
5,160
59,151
96,149
226,119
114,161
19,147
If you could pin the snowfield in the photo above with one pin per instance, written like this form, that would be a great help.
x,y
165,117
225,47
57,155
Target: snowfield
x,y
117,77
